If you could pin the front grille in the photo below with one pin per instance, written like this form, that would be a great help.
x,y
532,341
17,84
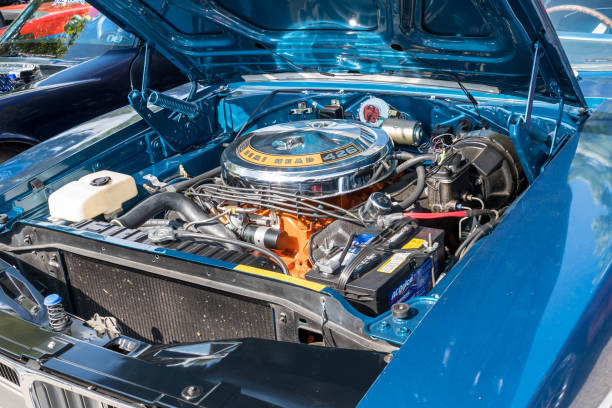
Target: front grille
x,y
9,374
42,390
162,311
47,395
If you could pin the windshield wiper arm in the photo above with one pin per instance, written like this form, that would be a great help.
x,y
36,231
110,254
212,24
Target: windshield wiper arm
x,y
288,61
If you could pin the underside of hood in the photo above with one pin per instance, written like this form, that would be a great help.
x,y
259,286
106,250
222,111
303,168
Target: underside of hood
x,y
492,43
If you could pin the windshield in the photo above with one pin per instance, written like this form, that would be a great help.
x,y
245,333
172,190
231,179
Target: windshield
x,y
585,29
63,29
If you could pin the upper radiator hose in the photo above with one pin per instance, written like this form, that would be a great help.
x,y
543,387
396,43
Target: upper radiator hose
x,y
157,203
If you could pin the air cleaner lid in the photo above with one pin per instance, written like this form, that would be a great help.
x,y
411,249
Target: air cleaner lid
x,y
314,157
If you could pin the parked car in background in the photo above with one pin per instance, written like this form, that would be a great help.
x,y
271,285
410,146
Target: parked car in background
x,y
62,63
49,18
8,12
585,30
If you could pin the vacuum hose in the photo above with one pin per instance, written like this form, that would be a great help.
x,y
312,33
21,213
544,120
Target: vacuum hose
x,y
412,160
185,184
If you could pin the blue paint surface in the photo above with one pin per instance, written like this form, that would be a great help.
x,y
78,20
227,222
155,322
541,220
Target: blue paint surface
x,y
519,322
492,45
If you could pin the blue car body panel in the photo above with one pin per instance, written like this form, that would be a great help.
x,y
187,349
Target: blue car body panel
x,y
492,43
528,305
521,327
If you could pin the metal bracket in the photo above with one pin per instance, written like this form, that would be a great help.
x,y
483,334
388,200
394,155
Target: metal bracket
x,y
179,128
557,124
176,132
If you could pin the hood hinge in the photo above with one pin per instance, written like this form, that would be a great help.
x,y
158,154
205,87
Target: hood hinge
x,y
558,123
179,124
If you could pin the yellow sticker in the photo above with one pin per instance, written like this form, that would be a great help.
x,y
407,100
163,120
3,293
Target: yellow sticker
x,y
393,263
279,276
414,243
249,154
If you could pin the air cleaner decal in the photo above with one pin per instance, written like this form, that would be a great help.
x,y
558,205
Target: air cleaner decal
x,y
249,154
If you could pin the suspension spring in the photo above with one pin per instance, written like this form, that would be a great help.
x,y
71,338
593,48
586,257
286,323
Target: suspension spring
x,y
58,318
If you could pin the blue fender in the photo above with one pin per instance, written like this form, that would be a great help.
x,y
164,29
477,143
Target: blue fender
x,y
526,313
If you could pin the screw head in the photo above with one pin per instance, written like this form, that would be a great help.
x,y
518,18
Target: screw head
x,y
191,392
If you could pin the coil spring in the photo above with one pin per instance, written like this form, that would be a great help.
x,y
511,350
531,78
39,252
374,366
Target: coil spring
x,y
58,318
176,105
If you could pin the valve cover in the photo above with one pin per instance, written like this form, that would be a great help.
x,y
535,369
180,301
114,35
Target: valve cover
x,y
322,158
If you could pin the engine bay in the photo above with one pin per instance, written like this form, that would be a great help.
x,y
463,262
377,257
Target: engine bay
x,y
340,202
370,199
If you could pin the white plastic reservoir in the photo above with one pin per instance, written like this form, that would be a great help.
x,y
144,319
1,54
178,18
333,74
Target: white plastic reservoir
x,y
102,192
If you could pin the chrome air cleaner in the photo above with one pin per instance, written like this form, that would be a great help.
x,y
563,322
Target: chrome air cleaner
x,y
320,158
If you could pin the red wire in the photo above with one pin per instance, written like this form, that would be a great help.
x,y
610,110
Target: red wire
x,y
433,216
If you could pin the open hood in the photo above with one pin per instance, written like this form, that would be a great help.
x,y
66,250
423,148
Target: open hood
x,y
492,43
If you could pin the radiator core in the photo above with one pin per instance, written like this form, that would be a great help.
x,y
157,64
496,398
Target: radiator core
x,y
159,310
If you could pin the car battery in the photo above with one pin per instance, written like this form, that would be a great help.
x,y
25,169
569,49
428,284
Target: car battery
x,y
383,266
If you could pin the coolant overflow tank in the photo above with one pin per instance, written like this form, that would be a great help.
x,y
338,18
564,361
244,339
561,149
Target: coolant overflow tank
x,y
102,192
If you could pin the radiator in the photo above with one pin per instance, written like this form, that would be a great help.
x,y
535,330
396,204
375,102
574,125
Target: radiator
x,y
159,310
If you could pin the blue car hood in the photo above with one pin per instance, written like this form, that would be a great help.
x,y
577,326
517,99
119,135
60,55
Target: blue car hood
x,y
482,42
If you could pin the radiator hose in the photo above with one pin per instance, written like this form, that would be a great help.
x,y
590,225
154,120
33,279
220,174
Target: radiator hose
x,y
188,210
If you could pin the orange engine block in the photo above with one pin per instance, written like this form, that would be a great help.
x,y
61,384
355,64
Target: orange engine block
x,y
300,229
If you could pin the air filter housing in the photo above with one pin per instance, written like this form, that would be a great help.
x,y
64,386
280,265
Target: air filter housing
x,y
320,158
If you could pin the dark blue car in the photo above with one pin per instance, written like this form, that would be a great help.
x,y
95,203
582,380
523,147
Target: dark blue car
x,y
61,64
353,202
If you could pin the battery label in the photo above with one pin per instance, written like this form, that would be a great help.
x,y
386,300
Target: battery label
x,y
356,246
393,262
414,285
396,260
414,243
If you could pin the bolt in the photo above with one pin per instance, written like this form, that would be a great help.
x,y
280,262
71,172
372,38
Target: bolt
x,y
191,392
27,240
400,310
283,318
